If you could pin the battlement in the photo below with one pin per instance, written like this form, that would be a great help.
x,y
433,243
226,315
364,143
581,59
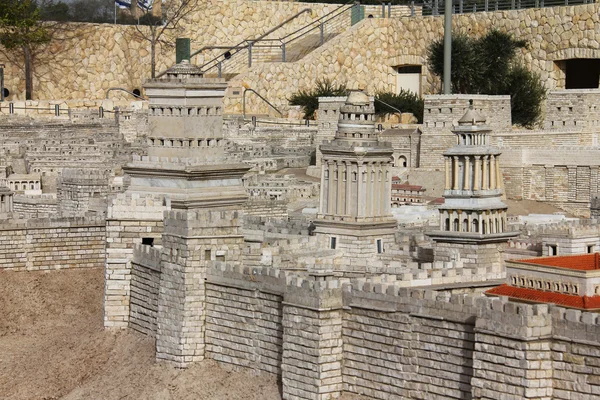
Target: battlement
x,y
222,223
515,320
85,176
49,223
147,256
137,206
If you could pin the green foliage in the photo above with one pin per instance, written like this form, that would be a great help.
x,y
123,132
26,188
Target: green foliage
x,y
488,66
20,25
309,99
405,101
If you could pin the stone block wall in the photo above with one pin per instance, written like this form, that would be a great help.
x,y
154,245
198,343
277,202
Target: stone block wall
x,y
130,218
441,114
145,285
52,244
27,207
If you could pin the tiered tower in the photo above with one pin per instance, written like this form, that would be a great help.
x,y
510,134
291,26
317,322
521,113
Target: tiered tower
x,y
186,147
354,212
473,220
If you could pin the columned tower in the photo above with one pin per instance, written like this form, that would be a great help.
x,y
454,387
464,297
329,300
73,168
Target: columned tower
x,y
473,220
354,212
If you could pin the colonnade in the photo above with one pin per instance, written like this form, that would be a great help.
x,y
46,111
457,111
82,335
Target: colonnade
x,y
478,173
355,189
484,222
23,185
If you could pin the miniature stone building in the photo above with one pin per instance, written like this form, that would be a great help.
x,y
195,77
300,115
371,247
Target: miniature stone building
x,y
354,213
473,218
568,281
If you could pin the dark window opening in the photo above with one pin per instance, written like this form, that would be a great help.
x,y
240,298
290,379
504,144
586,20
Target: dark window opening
x,y
379,246
148,242
590,249
220,257
333,242
552,250
409,69
6,92
137,92
582,73
207,254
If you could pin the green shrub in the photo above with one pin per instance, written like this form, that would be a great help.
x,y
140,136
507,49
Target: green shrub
x,y
309,99
488,65
405,101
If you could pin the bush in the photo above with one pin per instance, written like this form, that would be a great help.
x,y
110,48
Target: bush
x,y
488,66
405,101
309,99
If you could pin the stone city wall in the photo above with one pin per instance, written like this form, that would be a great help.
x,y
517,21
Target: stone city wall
x,y
52,244
26,207
325,337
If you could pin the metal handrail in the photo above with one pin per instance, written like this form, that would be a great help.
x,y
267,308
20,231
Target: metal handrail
x,y
261,97
386,104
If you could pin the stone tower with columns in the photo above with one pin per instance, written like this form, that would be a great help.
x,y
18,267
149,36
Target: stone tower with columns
x,y
473,219
354,213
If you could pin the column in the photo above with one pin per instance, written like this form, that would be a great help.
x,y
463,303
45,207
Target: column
x,y
340,206
460,227
477,178
448,173
480,222
324,184
492,172
485,184
375,193
470,218
331,189
369,190
467,182
455,185
498,176
349,171
360,205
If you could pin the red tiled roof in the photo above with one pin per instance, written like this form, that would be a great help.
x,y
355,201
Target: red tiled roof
x,y
583,262
538,296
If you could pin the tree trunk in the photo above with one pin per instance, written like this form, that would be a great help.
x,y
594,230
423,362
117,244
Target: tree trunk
x,y
28,72
153,58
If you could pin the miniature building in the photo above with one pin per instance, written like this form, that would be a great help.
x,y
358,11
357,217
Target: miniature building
x,y
473,218
405,193
6,200
568,281
25,183
356,183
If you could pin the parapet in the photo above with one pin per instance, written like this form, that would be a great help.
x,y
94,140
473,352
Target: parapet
x,y
132,206
520,321
147,256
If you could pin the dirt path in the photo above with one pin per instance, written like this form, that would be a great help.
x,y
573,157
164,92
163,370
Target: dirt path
x,y
53,346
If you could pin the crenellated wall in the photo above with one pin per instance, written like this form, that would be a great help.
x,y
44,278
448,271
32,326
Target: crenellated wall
x,y
326,336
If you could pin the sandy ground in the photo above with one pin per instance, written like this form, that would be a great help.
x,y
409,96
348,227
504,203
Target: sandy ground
x,y
53,346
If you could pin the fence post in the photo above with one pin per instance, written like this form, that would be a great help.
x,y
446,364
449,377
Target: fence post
x,y
220,69
412,8
57,110
460,6
307,122
1,82
435,7
496,5
512,4
390,10
486,5
250,54
382,10
283,52
254,121
11,108
542,4
100,112
322,33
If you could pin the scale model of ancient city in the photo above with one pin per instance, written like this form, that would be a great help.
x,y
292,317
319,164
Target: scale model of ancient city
x,y
381,256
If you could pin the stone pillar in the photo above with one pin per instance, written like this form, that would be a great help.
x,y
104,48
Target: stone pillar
x,y
486,183
331,189
467,182
340,206
477,177
455,174
369,190
447,167
498,175
519,366
324,194
360,206
492,172
349,172
312,319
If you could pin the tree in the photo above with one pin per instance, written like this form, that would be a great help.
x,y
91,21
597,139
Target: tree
x,y
161,31
22,32
488,66
309,99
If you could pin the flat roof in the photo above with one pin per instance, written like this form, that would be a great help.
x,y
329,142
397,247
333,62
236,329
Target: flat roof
x,y
580,262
